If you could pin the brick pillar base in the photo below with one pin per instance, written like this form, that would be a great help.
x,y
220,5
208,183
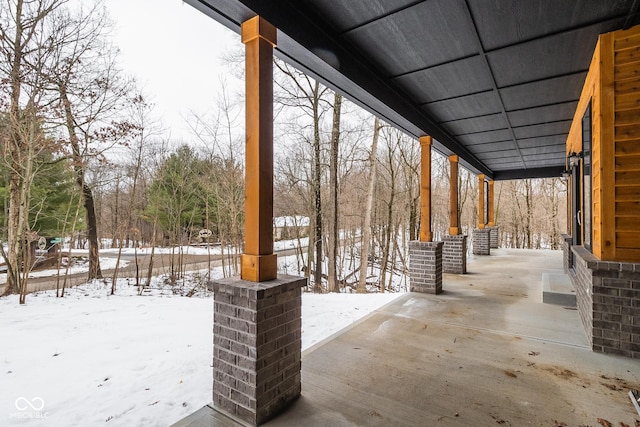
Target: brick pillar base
x,y
454,254
481,241
256,346
607,295
425,267
493,237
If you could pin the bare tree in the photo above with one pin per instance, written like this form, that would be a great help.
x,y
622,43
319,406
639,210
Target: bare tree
x,y
92,95
224,187
366,227
299,90
24,49
332,252
145,127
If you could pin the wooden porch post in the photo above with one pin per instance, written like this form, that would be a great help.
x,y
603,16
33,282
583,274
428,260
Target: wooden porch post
x,y
259,263
481,201
454,228
491,218
425,189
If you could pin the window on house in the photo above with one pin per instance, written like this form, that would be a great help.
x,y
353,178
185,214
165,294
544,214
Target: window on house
x,y
586,177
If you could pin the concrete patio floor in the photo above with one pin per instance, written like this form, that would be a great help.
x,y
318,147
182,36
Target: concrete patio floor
x,y
485,352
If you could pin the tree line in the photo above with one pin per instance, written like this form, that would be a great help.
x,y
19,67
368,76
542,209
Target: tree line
x,y
358,180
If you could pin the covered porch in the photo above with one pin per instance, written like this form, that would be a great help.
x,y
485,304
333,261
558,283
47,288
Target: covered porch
x,y
506,90
486,351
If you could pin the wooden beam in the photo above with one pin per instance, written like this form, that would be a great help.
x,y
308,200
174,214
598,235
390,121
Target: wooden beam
x,y
607,149
259,263
490,209
425,189
454,216
481,201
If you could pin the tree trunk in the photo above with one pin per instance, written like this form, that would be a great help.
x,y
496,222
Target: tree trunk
x,y
527,186
387,237
87,195
333,284
317,181
14,232
366,227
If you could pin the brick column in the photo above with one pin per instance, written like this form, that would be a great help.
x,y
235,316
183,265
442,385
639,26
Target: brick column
x,y
454,254
256,346
425,267
493,237
607,295
481,241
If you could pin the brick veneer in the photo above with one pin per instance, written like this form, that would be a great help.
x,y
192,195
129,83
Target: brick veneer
x,y
494,242
480,238
567,258
425,267
581,278
256,346
454,254
608,298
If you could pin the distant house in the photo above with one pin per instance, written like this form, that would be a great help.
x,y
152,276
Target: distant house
x,y
290,227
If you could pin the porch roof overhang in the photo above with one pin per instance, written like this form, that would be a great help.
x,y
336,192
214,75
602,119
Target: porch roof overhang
x,y
496,82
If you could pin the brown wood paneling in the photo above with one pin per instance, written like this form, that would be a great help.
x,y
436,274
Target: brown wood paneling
x,y
627,178
627,86
629,147
628,194
627,117
628,163
626,71
627,42
626,132
627,56
630,208
628,255
628,223
627,101
612,86
605,111
628,239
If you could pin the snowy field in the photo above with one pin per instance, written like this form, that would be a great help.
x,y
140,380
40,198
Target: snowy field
x,y
92,359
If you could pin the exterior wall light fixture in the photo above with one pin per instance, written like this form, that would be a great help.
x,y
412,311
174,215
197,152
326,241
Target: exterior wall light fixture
x,y
574,160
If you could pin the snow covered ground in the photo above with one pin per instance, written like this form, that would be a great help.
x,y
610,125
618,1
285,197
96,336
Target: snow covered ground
x,y
108,256
91,359
105,262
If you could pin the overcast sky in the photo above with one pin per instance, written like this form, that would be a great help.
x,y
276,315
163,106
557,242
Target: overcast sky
x,y
174,51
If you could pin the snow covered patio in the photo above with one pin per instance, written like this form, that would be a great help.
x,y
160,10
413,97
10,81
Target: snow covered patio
x,y
485,352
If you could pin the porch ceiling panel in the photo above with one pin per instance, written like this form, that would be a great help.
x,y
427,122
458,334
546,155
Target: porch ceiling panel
x,y
538,153
543,129
554,140
492,147
494,81
486,137
545,114
458,78
473,125
403,42
464,107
